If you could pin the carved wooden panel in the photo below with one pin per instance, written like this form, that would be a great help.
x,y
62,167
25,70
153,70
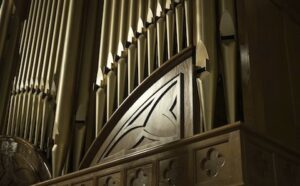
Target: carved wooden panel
x,y
154,118
260,168
171,171
287,172
214,158
110,180
212,163
140,176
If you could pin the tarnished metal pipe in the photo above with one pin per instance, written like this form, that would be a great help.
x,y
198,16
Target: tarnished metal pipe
x,y
161,28
188,22
104,40
141,41
179,27
35,37
103,56
132,60
170,32
100,108
33,67
84,90
205,37
151,41
121,79
57,43
46,64
41,69
142,49
229,56
63,117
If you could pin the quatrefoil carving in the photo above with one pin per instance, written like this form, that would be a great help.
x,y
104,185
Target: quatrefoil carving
x,y
171,173
110,182
140,179
213,163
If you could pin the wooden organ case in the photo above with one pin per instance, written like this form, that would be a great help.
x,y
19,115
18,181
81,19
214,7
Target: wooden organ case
x,y
134,92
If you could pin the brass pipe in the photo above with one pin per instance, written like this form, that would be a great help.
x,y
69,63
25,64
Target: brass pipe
x,y
60,50
100,108
63,116
24,94
188,22
81,120
41,69
32,122
151,42
33,44
38,118
22,117
142,49
55,9
32,19
24,51
40,44
111,93
18,114
33,67
104,40
28,115
103,54
133,15
141,40
229,56
161,27
170,32
57,43
150,34
124,22
114,29
46,45
45,121
205,37
132,60
23,70
179,27
21,50
121,79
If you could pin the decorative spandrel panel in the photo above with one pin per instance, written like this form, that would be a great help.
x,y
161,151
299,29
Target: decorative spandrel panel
x,y
155,118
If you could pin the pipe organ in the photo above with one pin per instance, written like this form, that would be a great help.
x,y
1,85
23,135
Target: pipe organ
x,y
70,65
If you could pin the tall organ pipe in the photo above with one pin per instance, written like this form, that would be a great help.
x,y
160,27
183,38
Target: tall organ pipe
x,y
63,116
205,33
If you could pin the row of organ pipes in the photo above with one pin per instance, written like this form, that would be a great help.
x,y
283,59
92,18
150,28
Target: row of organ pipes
x,y
136,38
